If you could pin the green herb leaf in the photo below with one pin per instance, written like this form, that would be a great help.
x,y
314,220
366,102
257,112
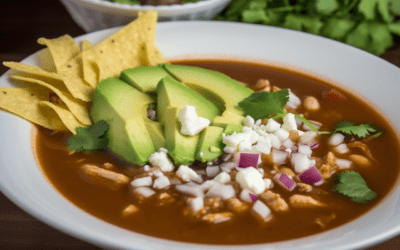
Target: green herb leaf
x,y
326,7
362,130
368,9
254,16
89,138
351,184
395,28
337,28
305,121
310,24
264,104
394,6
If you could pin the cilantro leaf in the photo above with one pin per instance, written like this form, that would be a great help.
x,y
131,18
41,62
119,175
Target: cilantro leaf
x,y
326,7
254,16
310,24
362,130
352,185
89,138
264,104
337,28
395,28
368,9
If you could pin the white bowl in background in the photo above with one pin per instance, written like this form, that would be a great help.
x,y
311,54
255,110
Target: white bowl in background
x,y
22,181
92,15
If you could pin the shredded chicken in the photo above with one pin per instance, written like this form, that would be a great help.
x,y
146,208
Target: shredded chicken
x,y
274,201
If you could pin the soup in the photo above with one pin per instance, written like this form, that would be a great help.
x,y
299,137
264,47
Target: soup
x,y
281,211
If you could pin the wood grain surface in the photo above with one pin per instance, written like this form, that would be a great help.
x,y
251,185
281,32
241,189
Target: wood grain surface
x,y
22,22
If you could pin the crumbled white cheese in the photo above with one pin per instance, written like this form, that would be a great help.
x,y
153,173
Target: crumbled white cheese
x,y
141,182
163,150
275,142
161,160
245,145
191,123
146,168
186,173
288,143
248,121
258,122
223,177
272,126
201,154
251,179
264,146
282,134
161,182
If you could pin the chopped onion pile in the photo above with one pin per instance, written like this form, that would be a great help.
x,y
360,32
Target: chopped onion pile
x,y
312,176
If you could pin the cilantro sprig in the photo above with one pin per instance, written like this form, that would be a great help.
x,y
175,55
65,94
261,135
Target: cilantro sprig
x,y
352,185
90,138
265,104
361,130
366,24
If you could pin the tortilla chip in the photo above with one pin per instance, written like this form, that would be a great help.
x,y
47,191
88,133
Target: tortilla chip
x,y
151,55
65,115
62,49
78,108
90,71
122,49
30,69
24,102
72,76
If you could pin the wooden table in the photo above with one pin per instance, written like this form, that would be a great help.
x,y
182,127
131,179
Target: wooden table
x,y
21,23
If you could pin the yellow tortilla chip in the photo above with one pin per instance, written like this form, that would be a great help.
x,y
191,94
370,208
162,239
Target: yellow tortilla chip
x,y
78,108
62,49
24,102
122,49
151,55
65,115
90,71
30,69
72,75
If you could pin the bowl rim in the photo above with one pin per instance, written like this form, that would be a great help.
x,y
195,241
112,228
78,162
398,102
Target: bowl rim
x,y
203,4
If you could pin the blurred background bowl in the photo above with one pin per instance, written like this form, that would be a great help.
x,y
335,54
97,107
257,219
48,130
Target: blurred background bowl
x,y
92,15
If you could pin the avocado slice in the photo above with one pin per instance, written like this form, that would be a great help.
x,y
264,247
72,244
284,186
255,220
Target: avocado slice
x,y
232,128
156,131
170,92
144,78
228,117
181,148
222,90
125,110
210,145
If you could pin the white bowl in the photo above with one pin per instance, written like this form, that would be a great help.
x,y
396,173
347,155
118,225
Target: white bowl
x,y
21,179
92,15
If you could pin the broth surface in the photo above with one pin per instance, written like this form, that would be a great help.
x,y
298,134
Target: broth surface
x,y
61,169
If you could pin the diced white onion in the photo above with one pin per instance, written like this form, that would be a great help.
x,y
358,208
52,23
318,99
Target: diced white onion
x,y
335,139
343,163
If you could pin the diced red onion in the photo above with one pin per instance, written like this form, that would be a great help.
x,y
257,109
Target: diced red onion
x,y
248,160
312,176
316,145
279,156
285,181
253,197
